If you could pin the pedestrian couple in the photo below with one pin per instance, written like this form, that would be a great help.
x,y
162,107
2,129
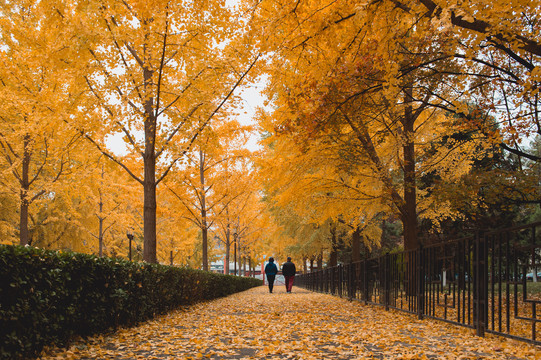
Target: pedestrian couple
x,y
288,270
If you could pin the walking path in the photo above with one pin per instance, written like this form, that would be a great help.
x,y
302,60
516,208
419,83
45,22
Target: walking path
x,y
303,325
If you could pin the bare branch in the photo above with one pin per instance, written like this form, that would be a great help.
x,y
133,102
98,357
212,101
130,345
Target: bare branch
x,y
181,93
107,228
108,155
223,160
174,132
135,55
119,49
162,64
38,172
110,112
205,123
195,218
37,195
481,26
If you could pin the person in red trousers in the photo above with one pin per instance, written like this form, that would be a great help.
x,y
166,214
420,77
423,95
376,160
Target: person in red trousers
x,y
289,270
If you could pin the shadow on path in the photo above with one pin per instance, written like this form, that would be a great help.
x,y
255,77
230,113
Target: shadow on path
x,y
303,325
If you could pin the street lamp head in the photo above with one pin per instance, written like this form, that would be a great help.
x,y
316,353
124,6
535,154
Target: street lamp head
x,y
129,235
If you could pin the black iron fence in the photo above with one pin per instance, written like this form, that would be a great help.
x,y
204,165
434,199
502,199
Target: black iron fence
x,y
484,282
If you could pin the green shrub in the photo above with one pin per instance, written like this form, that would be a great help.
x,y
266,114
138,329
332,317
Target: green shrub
x,y
49,297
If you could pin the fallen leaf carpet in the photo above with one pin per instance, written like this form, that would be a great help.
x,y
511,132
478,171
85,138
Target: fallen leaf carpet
x,y
302,325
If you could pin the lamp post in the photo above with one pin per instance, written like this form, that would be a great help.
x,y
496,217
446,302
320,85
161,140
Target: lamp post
x,y
130,238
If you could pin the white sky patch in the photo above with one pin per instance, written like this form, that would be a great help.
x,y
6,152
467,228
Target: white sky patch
x,y
116,144
251,100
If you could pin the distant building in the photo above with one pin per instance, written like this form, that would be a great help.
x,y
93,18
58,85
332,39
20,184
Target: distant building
x,y
218,267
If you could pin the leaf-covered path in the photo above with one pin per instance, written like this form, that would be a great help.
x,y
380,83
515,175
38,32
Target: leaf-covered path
x,y
302,325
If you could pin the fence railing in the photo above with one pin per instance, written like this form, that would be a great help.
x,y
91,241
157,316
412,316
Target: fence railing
x,y
481,282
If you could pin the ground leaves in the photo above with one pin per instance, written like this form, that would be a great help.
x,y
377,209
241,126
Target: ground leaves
x,y
301,325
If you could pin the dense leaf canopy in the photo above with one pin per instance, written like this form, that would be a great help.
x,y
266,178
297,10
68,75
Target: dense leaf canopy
x,y
385,122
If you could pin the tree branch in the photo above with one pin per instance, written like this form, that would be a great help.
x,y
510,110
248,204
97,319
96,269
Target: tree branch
x,y
110,112
195,218
162,64
109,156
480,26
205,123
174,132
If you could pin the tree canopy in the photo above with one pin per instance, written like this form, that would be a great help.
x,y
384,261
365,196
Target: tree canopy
x,y
379,115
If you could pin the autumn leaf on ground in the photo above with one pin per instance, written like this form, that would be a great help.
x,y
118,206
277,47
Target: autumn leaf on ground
x,y
310,326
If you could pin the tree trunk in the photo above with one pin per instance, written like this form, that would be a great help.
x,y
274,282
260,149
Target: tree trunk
x,y
409,215
24,233
227,249
227,257
235,254
100,226
149,181
204,230
356,245
333,258
228,241
149,250
149,188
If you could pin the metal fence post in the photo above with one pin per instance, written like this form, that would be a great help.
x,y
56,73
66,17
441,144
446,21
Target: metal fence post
x,y
420,282
365,276
386,282
340,279
331,279
351,280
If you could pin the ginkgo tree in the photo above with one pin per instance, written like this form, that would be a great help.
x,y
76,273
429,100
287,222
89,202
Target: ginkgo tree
x,y
180,236
239,217
36,147
500,44
247,223
378,85
198,186
311,190
157,72
108,209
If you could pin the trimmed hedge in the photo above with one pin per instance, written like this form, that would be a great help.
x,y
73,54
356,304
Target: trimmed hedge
x,y
49,297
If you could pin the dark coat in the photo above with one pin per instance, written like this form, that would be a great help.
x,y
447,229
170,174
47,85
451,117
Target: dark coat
x,y
288,269
271,269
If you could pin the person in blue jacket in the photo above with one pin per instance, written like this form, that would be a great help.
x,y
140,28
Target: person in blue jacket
x,y
271,270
